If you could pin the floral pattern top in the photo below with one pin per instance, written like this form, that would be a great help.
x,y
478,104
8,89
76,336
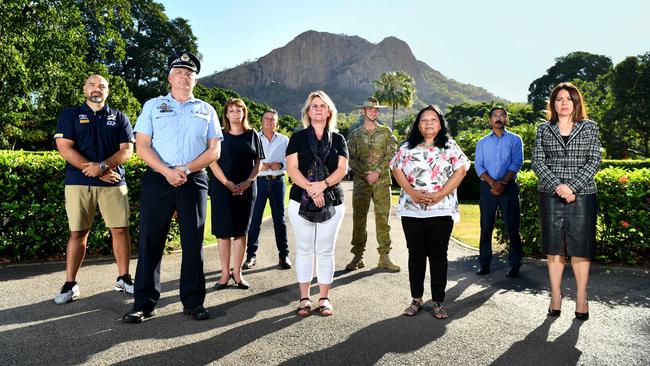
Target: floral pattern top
x,y
429,168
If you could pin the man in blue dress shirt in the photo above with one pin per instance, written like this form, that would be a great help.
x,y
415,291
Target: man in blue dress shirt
x,y
271,186
177,136
499,156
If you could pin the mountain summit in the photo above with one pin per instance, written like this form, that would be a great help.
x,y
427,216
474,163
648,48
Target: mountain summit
x,y
344,67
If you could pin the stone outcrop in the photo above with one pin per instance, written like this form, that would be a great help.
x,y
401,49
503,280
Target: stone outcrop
x,y
345,67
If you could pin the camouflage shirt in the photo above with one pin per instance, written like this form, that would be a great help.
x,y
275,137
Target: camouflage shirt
x,y
372,151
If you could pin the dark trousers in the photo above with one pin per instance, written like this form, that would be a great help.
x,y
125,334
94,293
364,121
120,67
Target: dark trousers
x,y
273,190
158,202
508,203
428,238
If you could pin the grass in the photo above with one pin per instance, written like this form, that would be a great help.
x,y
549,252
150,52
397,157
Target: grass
x,y
468,230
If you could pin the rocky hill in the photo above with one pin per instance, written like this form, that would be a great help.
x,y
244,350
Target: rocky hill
x,y
345,67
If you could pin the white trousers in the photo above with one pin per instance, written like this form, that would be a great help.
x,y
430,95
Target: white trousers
x,y
315,240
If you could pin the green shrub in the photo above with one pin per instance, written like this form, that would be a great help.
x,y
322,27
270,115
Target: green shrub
x,y
32,208
469,189
623,215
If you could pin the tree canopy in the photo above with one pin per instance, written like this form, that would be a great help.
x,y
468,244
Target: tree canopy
x,y
50,47
583,66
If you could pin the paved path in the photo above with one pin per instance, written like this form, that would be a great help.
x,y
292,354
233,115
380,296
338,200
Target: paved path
x,y
493,320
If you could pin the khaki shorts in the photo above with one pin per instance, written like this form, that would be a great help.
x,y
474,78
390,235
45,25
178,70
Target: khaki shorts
x,y
81,202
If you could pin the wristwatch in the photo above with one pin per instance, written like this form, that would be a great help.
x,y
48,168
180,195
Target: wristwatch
x,y
103,166
187,170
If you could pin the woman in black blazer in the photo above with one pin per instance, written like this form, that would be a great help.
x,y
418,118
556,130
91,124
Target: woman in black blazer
x,y
565,159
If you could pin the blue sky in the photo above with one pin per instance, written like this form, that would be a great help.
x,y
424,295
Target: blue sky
x,y
501,45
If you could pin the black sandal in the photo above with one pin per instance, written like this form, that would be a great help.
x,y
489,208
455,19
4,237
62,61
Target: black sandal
x,y
304,311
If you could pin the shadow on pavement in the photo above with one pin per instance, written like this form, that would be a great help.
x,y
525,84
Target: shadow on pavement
x,y
535,349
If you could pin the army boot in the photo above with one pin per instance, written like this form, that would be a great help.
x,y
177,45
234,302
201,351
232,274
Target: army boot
x,y
356,263
386,263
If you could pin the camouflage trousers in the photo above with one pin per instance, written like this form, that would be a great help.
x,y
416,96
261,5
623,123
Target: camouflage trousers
x,y
379,193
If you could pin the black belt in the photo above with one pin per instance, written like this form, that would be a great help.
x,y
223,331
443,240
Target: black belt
x,y
271,177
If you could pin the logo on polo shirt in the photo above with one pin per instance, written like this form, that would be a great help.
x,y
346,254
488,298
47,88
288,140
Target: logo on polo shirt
x,y
110,120
83,118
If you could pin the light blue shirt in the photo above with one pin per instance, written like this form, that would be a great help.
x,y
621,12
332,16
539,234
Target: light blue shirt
x,y
498,155
179,131
274,151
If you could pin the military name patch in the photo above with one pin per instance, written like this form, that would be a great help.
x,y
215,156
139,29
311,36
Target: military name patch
x,y
165,108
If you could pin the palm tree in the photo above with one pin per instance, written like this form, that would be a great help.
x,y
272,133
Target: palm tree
x,y
396,88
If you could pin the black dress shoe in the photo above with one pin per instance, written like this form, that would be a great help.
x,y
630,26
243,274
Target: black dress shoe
x,y
250,263
197,312
482,271
137,316
512,273
285,263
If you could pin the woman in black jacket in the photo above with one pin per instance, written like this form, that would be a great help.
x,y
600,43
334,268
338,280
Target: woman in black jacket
x,y
565,159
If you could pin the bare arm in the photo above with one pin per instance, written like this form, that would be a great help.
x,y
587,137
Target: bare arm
x,y
68,152
242,186
317,188
211,154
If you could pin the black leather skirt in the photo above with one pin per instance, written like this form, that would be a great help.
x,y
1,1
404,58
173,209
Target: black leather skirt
x,y
568,229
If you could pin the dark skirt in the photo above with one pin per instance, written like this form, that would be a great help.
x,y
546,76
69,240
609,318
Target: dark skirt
x,y
568,229
231,215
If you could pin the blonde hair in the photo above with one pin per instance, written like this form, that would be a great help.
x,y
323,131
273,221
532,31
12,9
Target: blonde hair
x,y
331,120
239,103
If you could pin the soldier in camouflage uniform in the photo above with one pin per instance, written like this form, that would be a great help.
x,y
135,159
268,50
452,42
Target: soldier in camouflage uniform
x,y
371,148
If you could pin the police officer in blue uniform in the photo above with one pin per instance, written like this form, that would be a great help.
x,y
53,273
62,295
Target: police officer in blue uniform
x,y
95,140
177,136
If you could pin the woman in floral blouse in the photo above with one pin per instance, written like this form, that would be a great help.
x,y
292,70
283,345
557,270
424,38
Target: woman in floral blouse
x,y
428,166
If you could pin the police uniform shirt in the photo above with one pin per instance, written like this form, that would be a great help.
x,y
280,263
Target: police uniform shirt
x,y
97,136
179,131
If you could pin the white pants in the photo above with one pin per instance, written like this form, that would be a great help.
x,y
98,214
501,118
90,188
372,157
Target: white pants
x,y
315,239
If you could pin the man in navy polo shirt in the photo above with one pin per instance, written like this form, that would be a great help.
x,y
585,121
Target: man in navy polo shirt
x,y
177,136
499,156
95,140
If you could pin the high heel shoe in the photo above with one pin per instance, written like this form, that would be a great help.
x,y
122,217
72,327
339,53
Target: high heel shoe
x,y
221,286
556,312
243,285
582,316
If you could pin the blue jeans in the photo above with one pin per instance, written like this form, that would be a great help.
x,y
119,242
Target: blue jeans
x,y
273,190
508,203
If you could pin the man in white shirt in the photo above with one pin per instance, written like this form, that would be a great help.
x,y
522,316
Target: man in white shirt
x,y
271,185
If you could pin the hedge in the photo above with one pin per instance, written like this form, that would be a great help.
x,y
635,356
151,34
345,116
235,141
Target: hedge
x,y
34,223
623,231
32,209
469,188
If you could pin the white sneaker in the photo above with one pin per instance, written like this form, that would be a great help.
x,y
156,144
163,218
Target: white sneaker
x,y
69,292
124,284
